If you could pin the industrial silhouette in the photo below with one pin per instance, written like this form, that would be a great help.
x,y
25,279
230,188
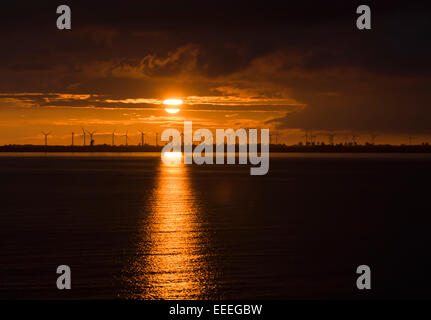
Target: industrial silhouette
x,y
313,138
331,137
310,138
354,136
348,142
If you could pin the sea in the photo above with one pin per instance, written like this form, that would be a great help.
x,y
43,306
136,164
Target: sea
x,y
130,226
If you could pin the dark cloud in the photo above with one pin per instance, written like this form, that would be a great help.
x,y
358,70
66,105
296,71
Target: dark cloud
x,y
306,51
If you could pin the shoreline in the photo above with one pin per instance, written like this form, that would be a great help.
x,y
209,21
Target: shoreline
x,y
272,149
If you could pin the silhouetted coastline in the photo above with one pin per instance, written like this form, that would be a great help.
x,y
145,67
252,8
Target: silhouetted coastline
x,y
368,148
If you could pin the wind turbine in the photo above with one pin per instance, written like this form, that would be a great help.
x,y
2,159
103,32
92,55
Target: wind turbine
x,y
127,131
46,137
157,139
142,138
113,138
73,136
91,134
306,136
83,134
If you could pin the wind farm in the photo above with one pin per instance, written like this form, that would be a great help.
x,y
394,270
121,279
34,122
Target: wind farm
x,y
150,142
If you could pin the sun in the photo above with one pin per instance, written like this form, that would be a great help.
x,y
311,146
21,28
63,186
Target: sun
x,y
170,110
173,102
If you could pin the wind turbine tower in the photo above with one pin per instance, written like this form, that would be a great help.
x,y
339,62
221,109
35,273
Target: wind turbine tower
x,y
91,134
73,136
46,134
83,134
142,138
276,135
306,135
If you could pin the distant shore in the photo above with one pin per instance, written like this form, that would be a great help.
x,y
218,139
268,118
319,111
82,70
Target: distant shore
x,y
273,148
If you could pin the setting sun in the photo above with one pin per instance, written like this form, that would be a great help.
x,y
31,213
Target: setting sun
x,y
173,102
169,110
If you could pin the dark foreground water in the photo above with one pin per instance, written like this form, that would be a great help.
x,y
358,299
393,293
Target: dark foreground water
x,y
131,227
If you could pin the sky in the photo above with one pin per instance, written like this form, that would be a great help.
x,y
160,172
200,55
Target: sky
x,y
291,67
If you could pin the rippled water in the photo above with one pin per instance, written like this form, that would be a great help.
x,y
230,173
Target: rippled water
x,y
131,227
171,260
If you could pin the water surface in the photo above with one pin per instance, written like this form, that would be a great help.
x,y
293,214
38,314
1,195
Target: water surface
x,y
131,227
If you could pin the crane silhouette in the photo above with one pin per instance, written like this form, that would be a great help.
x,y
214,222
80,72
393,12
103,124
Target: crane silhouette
x,y
309,137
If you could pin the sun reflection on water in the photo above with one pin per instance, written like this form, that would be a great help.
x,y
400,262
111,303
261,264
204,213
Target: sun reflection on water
x,y
172,158
172,255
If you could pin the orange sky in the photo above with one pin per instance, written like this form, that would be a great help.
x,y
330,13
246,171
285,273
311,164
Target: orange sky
x,y
291,69
23,124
